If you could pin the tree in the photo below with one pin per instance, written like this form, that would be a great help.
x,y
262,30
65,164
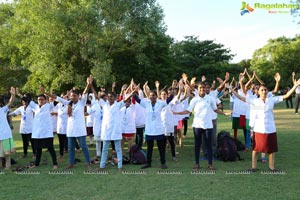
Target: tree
x,y
62,42
278,55
197,57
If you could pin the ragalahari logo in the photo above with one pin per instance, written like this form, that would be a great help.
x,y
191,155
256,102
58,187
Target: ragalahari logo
x,y
246,8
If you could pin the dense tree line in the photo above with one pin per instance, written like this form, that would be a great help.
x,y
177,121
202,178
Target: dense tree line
x,y
57,43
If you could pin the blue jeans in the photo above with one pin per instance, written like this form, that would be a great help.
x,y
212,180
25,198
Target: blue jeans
x,y
82,143
105,152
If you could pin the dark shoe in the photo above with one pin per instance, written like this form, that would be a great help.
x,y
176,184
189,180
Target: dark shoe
x,y
253,170
145,166
164,166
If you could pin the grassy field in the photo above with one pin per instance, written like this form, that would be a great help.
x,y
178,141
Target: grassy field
x,y
177,183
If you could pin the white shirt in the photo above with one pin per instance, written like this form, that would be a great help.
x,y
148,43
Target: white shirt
x,y
62,118
76,122
54,117
263,117
154,124
168,118
214,96
128,119
42,122
140,116
239,107
5,131
202,111
111,124
26,119
297,89
90,117
96,110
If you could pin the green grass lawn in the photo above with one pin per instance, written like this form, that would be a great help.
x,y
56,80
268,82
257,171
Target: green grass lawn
x,y
181,185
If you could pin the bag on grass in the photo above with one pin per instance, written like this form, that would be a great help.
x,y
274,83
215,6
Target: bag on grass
x,y
137,155
227,149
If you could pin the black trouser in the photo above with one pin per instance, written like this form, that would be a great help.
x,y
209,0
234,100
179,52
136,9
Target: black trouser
x,y
161,144
171,140
185,125
139,138
39,155
207,133
26,138
297,101
63,143
287,102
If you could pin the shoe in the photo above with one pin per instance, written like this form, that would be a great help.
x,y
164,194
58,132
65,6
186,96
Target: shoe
x,y
70,166
253,170
23,156
54,167
263,160
211,168
196,167
174,159
274,170
120,170
164,166
296,113
145,166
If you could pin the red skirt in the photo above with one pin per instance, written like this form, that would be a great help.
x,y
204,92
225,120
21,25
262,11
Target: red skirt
x,y
180,124
265,143
127,135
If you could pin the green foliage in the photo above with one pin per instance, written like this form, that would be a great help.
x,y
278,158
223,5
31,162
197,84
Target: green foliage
x,y
62,42
278,55
198,57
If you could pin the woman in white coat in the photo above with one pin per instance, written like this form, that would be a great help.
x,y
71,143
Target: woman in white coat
x,y
111,127
26,125
76,128
62,122
42,130
6,141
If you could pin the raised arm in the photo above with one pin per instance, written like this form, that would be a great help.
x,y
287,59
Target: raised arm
x,y
12,97
157,88
89,82
43,91
277,79
146,89
113,87
258,79
241,78
221,86
249,82
290,92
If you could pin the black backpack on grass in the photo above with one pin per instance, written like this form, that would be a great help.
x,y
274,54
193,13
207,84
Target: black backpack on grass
x,y
227,149
137,155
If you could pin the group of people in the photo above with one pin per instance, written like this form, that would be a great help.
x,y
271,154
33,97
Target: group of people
x,y
144,114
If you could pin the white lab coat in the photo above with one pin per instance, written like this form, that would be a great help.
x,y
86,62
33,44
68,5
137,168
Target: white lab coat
x,y
111,124
76,122
5,131
42,123
26,119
